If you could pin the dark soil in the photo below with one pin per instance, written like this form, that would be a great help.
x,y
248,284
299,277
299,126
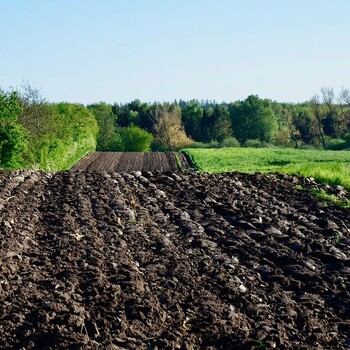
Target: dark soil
x,y
132,161
171,261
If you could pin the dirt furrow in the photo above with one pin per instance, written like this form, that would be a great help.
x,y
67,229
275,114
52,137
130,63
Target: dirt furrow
x,y
154,260
130,161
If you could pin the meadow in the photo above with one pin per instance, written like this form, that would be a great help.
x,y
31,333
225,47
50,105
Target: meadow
x,y
330,167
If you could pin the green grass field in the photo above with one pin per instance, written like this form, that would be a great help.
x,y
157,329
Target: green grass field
x,y
331,167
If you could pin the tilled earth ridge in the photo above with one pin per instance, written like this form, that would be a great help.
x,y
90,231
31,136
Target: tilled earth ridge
x,y
132,161
171,261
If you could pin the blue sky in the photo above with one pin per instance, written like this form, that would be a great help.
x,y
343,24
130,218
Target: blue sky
x,y
160,50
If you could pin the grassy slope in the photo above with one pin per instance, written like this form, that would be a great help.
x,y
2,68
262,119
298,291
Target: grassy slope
x,y
332,167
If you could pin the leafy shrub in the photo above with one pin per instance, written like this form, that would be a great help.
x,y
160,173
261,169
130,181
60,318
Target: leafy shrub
x,y
336,144
13,138
158,147
107,138
69,132
346,137
135,139
112,144
255,143
229,142
282,137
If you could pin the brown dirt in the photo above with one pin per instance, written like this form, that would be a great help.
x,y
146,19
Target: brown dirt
x,y
170,261
131,161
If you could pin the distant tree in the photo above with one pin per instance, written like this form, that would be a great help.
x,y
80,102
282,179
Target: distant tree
x,y
304,122
319,119
287,131
37,116
13,136
168,129
134,113
135,139
344,97
216,124
335,122
192,115
344,103
253,118
107,138
222,126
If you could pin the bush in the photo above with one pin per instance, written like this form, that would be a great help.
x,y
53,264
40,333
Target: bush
x,y
282,137
135,139
12,145
158,147
229,142
112,144
253,144
69,132
13,138
336,144
346,137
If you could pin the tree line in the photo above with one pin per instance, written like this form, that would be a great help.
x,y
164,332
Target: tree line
x,y
322,122
37,134
52,136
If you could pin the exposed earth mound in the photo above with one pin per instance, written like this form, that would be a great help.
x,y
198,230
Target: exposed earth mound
x,y
132,161
171,261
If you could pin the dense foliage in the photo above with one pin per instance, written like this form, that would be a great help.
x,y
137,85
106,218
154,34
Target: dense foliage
x,y
35,133
135,139
38,134
322,122
12,134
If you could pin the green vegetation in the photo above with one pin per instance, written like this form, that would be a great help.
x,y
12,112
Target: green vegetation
x,y
12,134
330,167
63,134
135,139
52,136
253,119
37,134
107,137
323,122
326,197
168,129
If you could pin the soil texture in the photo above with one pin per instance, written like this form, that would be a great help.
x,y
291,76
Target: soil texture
x,y
132,161
166,260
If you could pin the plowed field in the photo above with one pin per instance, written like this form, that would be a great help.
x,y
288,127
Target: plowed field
x,y
170,261
131,161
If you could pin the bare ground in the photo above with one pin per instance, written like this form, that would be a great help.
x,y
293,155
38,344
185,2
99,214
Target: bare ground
x,y
132,161
157,260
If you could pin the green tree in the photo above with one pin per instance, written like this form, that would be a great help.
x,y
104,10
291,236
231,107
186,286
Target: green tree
x,y
133,113
216,124
37,116
168,129
107,138
192,115
335,122
304,123
135,139
222,126
319,117
253,119
13,138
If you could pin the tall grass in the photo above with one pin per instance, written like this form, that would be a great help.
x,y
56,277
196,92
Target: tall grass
x,y
330,167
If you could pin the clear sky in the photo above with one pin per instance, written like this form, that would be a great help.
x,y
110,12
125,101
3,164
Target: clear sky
x,y
160,50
